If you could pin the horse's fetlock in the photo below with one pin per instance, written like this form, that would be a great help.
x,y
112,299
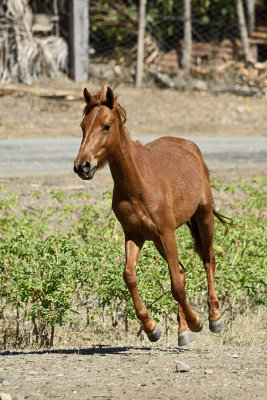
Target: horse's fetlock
x,y
142,315
213,302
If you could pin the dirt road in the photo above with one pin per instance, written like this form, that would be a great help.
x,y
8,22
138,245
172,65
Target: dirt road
x,y
30,156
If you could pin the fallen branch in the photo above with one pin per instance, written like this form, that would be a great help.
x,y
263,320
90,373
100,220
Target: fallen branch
x,y
36,91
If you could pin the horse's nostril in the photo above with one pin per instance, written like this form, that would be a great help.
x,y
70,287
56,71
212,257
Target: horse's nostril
x,y
85,164
83,167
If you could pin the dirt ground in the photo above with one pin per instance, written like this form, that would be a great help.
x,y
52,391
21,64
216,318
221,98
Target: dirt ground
x,y
149,112
102,367
135,372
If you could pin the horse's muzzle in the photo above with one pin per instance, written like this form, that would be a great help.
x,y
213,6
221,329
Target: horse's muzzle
x,y
84,170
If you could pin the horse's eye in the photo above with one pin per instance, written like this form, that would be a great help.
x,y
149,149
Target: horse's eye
x,y
106,127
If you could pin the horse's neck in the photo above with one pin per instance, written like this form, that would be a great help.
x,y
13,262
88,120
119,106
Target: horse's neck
x,y
125,162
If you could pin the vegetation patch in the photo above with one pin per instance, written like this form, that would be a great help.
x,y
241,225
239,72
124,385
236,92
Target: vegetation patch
x,y
67,258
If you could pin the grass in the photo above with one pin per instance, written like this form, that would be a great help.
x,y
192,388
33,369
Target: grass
x,y
61,268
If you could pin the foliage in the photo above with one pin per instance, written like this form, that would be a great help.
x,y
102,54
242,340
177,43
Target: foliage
x,y
58,259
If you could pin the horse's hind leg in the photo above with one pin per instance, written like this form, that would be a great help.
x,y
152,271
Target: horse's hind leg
x,y
169,244
184,333
205,224
133,246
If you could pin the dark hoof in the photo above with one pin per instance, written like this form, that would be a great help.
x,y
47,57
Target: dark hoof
x,y
200,326
184,338
155,335
216,326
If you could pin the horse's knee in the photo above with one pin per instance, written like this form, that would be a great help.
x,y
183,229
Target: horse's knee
x,y
129,277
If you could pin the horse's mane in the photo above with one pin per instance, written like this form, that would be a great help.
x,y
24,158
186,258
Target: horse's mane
x,y
100,99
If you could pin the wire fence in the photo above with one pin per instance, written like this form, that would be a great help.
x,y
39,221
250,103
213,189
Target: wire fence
x,y
218,49
217,45
114,28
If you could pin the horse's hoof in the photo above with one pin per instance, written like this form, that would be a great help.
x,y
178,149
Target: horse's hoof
x,y
155,335
216,326
200,326
184,338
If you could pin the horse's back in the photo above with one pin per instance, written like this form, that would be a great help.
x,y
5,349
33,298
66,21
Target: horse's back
x,y
171,143
173,149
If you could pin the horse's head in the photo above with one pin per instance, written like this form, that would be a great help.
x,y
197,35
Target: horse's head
x,y
99,130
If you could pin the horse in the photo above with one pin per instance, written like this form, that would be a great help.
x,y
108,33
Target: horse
x,y
157,188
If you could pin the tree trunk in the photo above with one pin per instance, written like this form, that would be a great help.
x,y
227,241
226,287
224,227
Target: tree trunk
x,y
140,43
187,35
243,31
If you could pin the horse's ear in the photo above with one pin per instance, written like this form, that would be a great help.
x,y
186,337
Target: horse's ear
x,y
87,96
110,98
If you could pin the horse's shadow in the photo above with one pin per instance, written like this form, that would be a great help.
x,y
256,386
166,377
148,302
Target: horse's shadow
x,y
101,350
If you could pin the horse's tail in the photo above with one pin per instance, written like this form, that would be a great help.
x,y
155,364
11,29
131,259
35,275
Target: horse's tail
x,y
226,221
192,225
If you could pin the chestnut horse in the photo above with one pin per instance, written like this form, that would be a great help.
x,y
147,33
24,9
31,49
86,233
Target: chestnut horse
x,y
157,188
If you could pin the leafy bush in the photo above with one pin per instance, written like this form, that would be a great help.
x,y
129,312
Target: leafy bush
x,y
58,259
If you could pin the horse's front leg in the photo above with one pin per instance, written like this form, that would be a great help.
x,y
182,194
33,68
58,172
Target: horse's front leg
x,y
133,246
168,241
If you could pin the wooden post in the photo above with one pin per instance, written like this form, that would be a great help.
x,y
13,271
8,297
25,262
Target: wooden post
x,y
56,18
251,26
187,35
79,39
140,43
243,31
251,15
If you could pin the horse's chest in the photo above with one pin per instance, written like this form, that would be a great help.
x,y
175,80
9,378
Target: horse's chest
x,y
134,220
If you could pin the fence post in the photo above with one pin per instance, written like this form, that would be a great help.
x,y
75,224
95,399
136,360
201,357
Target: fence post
x,y
251,26
187,35
140,43
78,42
243,31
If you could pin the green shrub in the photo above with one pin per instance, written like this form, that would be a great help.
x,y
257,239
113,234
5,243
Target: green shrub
x,y
47,275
